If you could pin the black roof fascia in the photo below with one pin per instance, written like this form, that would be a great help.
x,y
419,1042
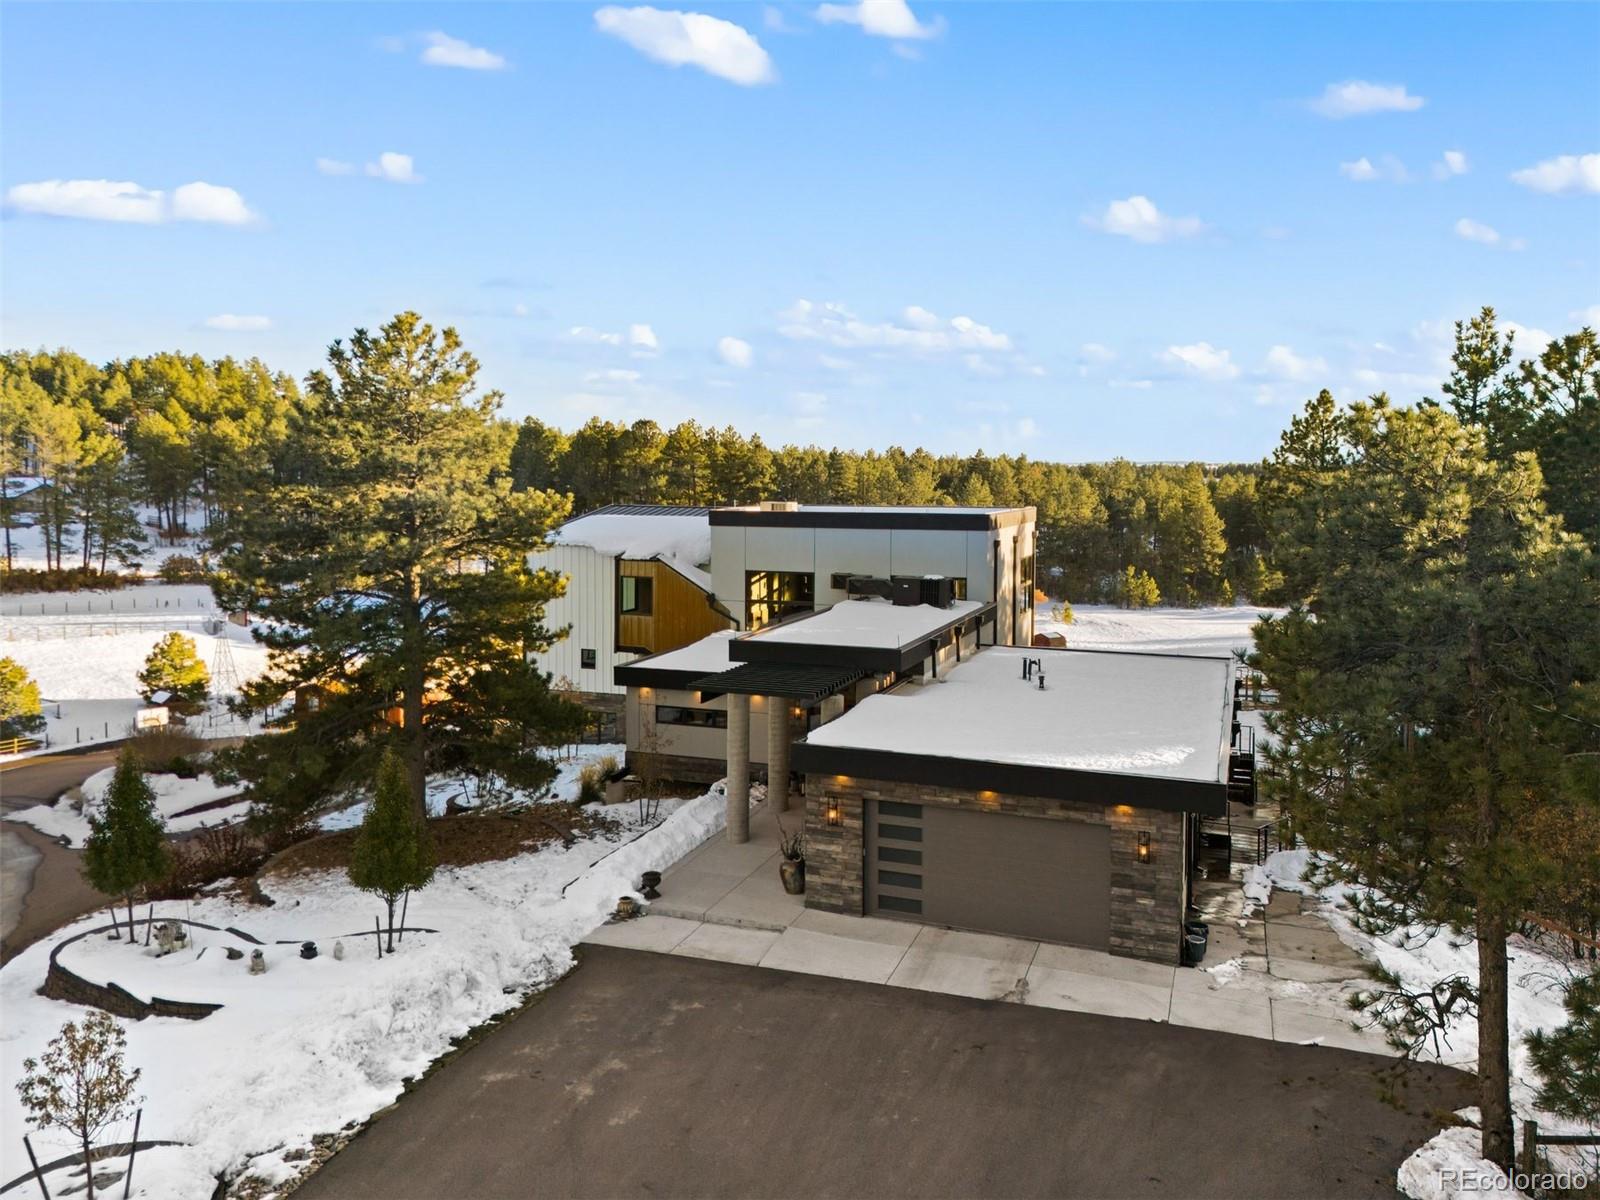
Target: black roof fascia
x,y
870,659
869,518
1208,798
639,675
807,684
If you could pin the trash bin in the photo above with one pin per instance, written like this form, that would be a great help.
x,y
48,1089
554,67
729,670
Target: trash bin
x,y
1195,936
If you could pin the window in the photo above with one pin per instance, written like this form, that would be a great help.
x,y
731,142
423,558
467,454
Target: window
x,y
900,904
700,718
958,586
900,833
586,659
1025,582
635,596
900,879
894,854
892,808
773,595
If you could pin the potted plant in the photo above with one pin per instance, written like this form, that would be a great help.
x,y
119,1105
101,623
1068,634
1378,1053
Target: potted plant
x,y
792,870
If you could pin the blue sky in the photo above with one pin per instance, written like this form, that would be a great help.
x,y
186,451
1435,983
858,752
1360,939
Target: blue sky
x,y
1076,231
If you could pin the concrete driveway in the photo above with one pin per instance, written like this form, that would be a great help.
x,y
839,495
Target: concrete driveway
x,y
654,1075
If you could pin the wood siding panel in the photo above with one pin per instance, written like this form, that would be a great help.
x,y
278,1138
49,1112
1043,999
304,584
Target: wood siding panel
x,y
680,613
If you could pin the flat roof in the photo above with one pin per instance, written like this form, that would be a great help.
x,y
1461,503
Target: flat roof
x,y
1158,716
793,681
873,623
863,516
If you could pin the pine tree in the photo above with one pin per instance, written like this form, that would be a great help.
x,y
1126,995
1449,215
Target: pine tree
x,y
20,710
1568,1058
1430,693
175,666
127,846
390,568
81,1084
1136,589
392,854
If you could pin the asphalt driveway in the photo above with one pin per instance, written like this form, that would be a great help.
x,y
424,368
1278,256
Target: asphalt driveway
x,y
651,1075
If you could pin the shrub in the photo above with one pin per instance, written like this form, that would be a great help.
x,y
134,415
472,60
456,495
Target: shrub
x,y
181,568
221,852
592,780
20,711
75,579
168,750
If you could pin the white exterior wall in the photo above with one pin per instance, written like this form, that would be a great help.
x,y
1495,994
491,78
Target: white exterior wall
x,y
589,606
688,740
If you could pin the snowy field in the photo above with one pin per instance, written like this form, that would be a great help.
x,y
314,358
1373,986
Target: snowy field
x,y
85,649
315,1046
27,546
176,798
1210,631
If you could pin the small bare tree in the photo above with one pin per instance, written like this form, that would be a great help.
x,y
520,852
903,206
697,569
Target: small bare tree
x,y
81,1084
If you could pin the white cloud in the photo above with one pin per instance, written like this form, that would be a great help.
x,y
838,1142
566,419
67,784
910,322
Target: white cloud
x,y
880,18
1203,359
919,331
395,168
1283,363
1530,341
1452,163
612,375
1566,173
736,352
334,166
446,51
640,339
593,337
232,323
1476,231
106,200
1138,218
1094,352
1364,170
678,39
1357,98
643,339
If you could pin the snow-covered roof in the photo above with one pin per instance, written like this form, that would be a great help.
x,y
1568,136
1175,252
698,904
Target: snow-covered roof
x,y
937,509
1134,714
873,622
679,537
709,654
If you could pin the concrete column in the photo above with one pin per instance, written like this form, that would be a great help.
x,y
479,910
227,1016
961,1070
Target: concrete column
x,y
738,768
778,730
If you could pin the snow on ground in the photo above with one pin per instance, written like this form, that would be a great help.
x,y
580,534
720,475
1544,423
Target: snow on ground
x,y
27,546
85,649
68,817
316,1045
1213,631
1420,960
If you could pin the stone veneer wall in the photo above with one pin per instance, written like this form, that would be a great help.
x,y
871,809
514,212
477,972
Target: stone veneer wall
x,y
1147,899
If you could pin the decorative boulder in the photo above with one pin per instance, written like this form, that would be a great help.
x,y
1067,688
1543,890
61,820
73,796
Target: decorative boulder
x,y
258,963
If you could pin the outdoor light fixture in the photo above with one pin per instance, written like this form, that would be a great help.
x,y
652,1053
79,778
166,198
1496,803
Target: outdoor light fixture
x,y
1144,845
835,817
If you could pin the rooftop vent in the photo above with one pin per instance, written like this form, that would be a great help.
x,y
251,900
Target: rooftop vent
x,y
938,591
779,506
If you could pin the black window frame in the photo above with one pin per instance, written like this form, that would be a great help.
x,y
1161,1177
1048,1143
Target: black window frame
x,y
684,717
644,591
588,660
784,594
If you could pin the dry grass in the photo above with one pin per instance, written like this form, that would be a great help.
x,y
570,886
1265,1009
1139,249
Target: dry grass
x,y
458,841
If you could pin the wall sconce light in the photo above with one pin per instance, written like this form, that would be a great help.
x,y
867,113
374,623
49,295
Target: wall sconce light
x,y
1144,846
834,816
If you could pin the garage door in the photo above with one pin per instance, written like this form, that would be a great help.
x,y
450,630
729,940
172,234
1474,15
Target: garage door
x,y
1022,876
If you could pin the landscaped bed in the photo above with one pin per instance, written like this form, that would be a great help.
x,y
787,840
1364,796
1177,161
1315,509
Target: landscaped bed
x,y
315,1046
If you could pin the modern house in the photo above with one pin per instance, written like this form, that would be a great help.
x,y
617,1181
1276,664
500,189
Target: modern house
x,y
947,776
636,585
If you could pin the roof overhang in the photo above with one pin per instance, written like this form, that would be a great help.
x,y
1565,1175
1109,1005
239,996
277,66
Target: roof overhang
x,y
755,648
871,518
802,683
1204,797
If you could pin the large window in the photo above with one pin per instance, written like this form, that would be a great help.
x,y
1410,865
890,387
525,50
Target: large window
x,y
702,718
635,596
773,595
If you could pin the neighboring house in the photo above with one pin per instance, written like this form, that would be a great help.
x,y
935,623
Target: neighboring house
x,y
949,777
25,496
636,585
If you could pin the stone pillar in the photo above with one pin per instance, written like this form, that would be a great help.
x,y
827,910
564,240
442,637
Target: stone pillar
x,y
778,731
738,768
